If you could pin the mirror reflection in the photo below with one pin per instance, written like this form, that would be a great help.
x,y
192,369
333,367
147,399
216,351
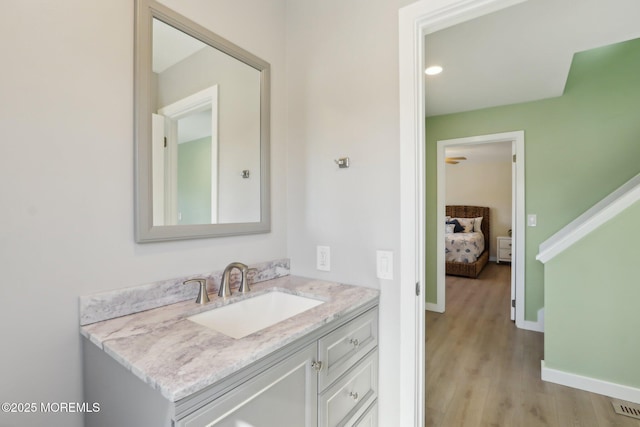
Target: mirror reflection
x,y
206,133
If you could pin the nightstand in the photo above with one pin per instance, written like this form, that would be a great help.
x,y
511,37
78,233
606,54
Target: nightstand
x,y
504,249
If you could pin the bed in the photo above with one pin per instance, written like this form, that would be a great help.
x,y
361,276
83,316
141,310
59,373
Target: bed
x,y
467,253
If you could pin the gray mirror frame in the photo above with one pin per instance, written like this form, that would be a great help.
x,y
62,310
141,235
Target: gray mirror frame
x,y
145,231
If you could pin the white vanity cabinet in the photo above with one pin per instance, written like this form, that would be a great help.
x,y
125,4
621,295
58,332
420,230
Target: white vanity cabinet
x,y
331,382
348,382
282,396
328,378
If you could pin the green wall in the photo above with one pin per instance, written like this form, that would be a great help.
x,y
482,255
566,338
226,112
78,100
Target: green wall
x,y
591,304
578,148
194,181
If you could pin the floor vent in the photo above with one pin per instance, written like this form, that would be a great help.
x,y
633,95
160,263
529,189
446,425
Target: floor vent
x,y
629,409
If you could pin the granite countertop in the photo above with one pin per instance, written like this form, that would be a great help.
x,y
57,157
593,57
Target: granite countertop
x,y
179,357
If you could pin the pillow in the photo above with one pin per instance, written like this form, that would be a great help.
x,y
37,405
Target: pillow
x,y
449,228
466,223
477,224
457,228
447,218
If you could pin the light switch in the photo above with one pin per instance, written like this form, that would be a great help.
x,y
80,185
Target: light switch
x,y
384,265
532,220
323,258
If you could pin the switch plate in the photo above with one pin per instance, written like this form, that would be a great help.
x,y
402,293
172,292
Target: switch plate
x,y
384,265
532,220
323,258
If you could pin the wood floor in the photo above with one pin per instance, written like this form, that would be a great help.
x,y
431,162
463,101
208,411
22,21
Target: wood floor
x,y
483,371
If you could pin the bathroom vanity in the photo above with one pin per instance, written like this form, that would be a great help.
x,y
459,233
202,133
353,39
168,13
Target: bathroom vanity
x,y
317,368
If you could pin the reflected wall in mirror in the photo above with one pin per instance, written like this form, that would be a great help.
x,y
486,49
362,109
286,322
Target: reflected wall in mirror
x,y
202,131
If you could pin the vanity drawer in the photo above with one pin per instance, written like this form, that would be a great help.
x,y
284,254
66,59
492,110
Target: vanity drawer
x,y
370,417
342,348
348,399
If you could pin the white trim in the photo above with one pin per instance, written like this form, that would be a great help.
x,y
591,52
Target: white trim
x,y
600,213
200,101
415,21
537,326
528,325
517,139
429,306
411,354
593,385
193,103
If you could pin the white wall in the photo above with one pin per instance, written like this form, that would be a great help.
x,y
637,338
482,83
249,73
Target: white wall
x,y
343,101
66,180
485,183
67,169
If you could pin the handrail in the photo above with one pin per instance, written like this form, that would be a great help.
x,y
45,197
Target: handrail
x,y
594,217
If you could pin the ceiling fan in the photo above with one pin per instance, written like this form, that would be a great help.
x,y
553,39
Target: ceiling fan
x,y
454,160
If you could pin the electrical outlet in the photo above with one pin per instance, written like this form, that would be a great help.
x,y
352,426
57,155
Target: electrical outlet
x,y
323,258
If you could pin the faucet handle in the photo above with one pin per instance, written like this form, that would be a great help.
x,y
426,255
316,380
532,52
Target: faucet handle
x,y
203,297
247,275
244,279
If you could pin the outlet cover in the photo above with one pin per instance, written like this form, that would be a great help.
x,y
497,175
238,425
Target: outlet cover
x,y
323,258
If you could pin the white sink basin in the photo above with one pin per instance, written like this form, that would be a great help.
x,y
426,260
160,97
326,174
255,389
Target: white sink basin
x,y
247,316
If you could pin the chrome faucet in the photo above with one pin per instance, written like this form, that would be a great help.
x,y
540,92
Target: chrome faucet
x,y
225,289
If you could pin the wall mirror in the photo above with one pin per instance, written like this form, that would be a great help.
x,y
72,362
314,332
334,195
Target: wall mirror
x,y
201,131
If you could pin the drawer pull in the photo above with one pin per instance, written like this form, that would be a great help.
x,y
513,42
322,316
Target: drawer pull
x,y
354,395
317,366
355,342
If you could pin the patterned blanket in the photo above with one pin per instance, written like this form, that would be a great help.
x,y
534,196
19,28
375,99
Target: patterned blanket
x,y
463,247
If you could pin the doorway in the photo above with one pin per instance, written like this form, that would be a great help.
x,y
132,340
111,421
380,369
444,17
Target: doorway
x,y
516,139
415,22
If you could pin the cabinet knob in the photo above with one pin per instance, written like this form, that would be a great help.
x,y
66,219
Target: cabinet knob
x,y
354,342
354,395
317,366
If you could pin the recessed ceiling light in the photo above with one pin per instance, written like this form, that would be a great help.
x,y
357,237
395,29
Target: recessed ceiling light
x,y
433,70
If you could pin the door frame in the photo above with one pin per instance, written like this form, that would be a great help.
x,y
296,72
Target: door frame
x,y
200,101
414,22
517,140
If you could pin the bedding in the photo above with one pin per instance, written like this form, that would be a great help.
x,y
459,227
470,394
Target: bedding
x,y
463,247
477,219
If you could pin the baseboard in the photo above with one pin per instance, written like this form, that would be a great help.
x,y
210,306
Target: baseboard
x,y
429,306
593,385
529,325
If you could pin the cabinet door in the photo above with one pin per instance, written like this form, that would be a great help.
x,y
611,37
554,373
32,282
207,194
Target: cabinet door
x,y
282,396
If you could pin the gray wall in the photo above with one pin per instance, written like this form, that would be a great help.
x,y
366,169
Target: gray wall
x,y
238,124
66,171
343,101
